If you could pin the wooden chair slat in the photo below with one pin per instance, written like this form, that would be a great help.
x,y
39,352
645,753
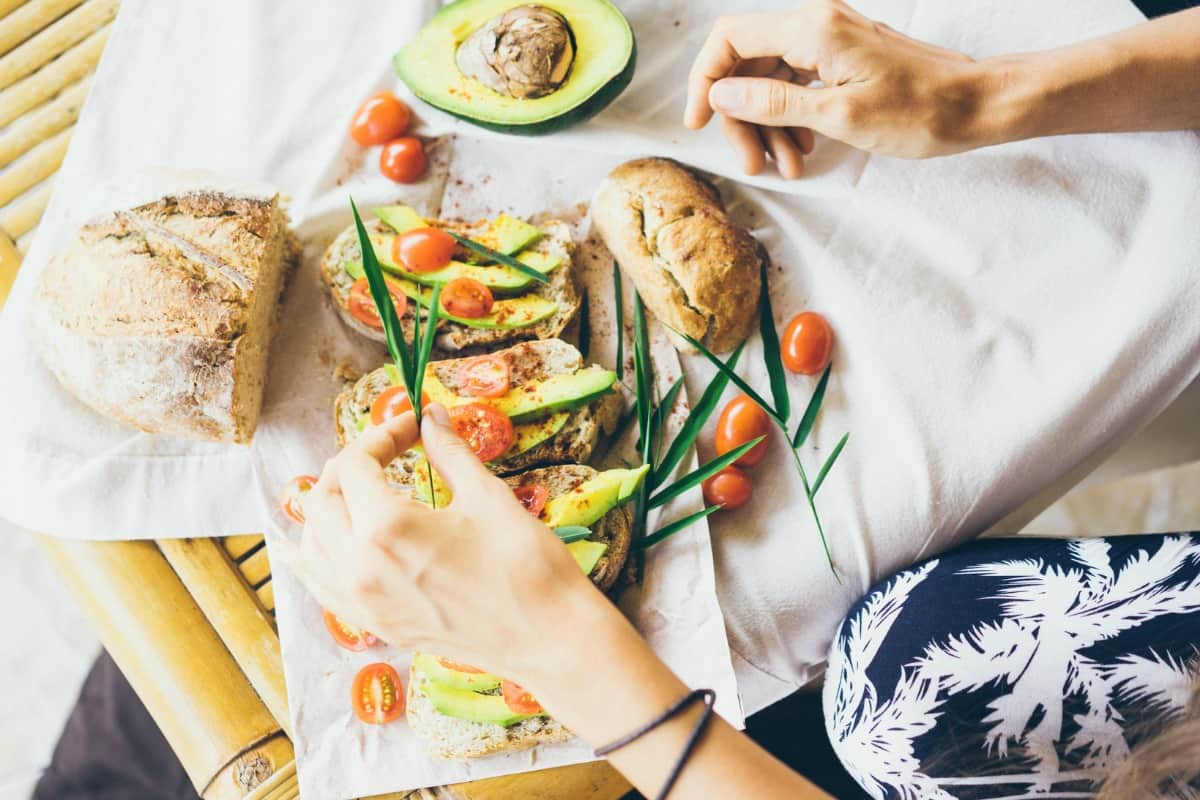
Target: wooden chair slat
x,y
23,214
29,19
51,118
55,40
9,6
240,545
34,167
51,79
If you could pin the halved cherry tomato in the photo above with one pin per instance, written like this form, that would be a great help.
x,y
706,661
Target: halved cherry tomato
x,y
468,298
292,499
362,305
807,343
730,488
742,420
484,376
518,699
381,118
348,636
423,249
458,666
487,431
392,402
533,496
377,694
403,160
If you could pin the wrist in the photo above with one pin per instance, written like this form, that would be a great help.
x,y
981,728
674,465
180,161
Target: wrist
x,y
1008,98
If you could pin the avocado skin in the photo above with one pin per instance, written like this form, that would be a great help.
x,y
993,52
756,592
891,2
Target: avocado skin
x,y
573,116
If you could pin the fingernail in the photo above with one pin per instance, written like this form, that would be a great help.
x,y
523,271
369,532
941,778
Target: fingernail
x,y
439,414
726,96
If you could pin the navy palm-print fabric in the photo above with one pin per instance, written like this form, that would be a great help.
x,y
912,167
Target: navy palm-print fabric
x,y
1015,668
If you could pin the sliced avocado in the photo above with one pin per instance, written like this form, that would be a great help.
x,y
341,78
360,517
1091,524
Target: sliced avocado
x,y
472,706
428,484
556,393
401,219
509,235
602,55
592,499
530,434
437,672
507,313
587,554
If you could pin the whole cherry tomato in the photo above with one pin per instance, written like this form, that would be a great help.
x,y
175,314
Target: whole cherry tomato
x,y
392,402
362,305
423,249
403,160
807,343
467,298
742,420
381,118
730,488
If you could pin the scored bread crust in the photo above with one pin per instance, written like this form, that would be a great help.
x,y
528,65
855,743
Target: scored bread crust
x,y
529,361
453,336
696,269
161,316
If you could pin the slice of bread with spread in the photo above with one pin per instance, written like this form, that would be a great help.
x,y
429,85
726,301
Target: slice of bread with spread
x,y
558,405
161,315
524,308
462,712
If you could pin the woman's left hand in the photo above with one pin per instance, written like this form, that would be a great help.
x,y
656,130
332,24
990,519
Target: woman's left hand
x,y
480,581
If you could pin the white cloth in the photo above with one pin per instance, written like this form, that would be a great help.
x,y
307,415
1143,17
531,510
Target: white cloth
x,y
1001,316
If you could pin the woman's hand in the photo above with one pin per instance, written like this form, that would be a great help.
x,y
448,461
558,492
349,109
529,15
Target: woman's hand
x,y
481,581
882,91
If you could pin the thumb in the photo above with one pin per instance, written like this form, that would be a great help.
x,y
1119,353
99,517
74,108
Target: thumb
x,y
765,101
458,465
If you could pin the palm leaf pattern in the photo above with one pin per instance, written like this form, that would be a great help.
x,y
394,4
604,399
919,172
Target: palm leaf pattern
x,y
1050,621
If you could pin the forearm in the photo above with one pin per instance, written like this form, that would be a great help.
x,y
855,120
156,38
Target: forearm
x,y
1146,78
605,681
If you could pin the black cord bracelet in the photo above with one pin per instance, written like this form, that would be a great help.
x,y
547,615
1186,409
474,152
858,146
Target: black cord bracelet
x,y
709,698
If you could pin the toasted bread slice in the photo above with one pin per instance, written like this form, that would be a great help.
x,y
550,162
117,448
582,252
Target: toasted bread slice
x,y
450,737
530,361
454,336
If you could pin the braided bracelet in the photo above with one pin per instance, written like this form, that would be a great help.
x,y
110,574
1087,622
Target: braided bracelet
x,y
709,698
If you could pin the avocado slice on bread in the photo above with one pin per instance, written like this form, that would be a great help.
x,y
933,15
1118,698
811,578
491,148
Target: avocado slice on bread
x,y
523,68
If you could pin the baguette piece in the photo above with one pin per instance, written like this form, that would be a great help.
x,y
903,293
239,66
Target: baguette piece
x,y
696,269
454,336
161,315
530,361
450,737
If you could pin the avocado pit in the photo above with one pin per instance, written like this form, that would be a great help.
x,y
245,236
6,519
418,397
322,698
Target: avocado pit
x,y
523,53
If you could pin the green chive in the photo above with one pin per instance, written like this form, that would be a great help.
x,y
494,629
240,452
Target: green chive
x,y
500,258
810,413
771,352
572,533
828,465
619,302
675,527
701,474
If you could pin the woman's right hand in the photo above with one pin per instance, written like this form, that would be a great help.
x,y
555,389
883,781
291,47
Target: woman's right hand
x,y
882,91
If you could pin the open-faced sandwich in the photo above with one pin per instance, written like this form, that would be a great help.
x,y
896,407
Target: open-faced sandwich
x,y
529,405
462,711
483,303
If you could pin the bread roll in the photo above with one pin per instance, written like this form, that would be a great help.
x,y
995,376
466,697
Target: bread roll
x,y
697,270
160,316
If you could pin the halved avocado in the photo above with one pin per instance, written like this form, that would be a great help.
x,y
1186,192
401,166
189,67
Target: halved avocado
x,y
599,45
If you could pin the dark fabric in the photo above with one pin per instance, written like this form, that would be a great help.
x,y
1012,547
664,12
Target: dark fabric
x,y
1015,667
111,749
1156,8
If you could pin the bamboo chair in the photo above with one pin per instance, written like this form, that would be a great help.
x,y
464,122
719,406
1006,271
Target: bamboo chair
x,y
190,622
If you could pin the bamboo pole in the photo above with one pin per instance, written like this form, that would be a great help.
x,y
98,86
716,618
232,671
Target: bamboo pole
x,y
52,78
10,259
223,734
9,6
234,612
24,213
29,19
29,130
595,780
55,39
34,167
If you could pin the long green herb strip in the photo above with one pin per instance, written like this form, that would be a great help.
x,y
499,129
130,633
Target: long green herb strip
x,y
585,325
572,533
662,409
691,427
698,476
810,413
411,360
828,465
766,328
619,305
500,258
676,526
